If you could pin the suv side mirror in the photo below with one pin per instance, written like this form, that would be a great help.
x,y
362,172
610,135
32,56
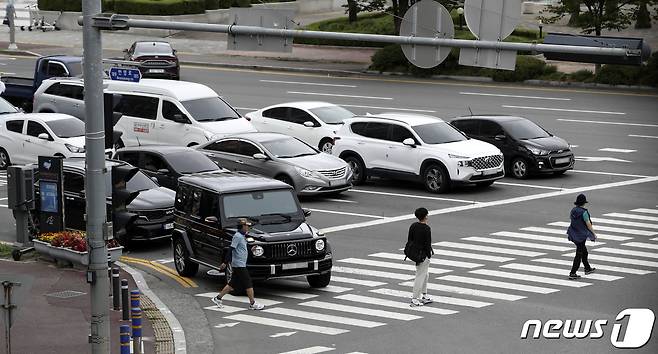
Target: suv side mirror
x,y
259,156
309,124
500,137
43,136
179,118
211,219
307,212
409,142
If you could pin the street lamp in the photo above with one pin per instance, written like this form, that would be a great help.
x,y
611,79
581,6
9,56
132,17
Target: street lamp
x,y
460,12
541,27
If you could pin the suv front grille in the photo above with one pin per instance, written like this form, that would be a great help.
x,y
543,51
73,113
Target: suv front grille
x,y
284,250
486,162
338,173
155,214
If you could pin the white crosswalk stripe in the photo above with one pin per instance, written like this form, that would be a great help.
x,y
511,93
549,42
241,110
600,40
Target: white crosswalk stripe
x,y
469,255
489,249
598,266
617,260
286,324
225,308
632,216
534,245
497,284
468,291
323,317
611,229
369,283
241,299
531,278
441,299
310,350
438,261
401,266
564,233
394,304
533,237
652,246
645,210
360,310
626,252
305,286
289,294
625,223
557,271
372,273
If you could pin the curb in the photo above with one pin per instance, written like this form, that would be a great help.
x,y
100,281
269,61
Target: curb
x,y
159,308
277,68
25,53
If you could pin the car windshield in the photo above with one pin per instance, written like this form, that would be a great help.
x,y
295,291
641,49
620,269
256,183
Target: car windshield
x,y
210,109
260,204
288,147
67,128
191,162
6,107
523,129
153,48
438,133
332,114
140,182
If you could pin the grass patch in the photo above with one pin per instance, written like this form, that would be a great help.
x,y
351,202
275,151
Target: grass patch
x,y
5,250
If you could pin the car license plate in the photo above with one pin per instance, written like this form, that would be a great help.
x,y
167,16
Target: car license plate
x,y
489,172
169,226
294,265
157,71
337,182
562,160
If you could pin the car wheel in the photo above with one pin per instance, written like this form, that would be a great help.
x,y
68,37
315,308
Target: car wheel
x,y
519,168
358,169
285,179
436,179
184,266
319,280
326,145
559,173
4,159
484,184
119,144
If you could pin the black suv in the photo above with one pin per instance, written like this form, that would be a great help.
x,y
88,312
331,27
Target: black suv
x,y
527,147
280,243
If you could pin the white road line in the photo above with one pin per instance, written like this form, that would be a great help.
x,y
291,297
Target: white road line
x,y
286,324
241,299
470,292
626,252
643,136
609,173
490,249
611,229
531,278
562,110
482,257
625,261
225,309
340,200
645,210
437,260
304,285
165,260
389,108
598,266
557,271
611,123
311,350
600,159
625,223
515,96
534,245
529,186
534,237
337,95
632,216
368,283
498,284
346,213
652,246
5,198
360,310
372,273
654,239
400,266
394,304
625,151
289,294
564,233
441,299
305,83
3,206
322,317
413,196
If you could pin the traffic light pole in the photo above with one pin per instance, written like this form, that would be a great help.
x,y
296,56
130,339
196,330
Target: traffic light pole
x,y
95,177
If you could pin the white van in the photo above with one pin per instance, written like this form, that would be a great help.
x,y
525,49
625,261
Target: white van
x,y
155,112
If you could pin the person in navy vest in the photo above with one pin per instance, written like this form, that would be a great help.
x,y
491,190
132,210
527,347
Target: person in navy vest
x,y
579,232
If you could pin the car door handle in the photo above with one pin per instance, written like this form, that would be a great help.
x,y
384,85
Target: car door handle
x,y
240,161
70,198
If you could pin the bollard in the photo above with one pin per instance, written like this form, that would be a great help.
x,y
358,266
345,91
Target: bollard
x,y
134,299
116,289
137,329
124,300
125,339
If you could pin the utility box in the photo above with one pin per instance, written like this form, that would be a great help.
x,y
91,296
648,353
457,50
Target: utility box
x,y
20,187
632,44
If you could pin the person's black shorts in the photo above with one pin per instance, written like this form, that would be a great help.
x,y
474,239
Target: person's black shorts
x,y
240,278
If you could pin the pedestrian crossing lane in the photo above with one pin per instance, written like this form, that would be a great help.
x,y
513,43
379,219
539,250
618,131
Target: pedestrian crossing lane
x,y
611,229
563,232
568,263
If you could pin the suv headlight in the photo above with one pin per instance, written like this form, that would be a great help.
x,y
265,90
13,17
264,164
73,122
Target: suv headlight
x,y
75,149
537,151
257,250
319,245
464,160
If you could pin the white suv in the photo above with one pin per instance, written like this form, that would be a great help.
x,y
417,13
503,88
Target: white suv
x,y
416,147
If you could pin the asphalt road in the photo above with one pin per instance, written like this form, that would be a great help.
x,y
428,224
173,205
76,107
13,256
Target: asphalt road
x,y
502,257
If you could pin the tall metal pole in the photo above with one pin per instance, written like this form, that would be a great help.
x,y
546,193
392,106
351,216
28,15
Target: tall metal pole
x,y
10,12
95,174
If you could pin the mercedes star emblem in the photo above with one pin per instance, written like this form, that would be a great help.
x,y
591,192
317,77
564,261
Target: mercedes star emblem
x,y
291,250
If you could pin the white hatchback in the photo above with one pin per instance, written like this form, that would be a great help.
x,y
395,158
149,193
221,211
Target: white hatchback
x,y
314,123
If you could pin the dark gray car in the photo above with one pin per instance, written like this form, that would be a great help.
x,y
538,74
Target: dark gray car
x,y
282,157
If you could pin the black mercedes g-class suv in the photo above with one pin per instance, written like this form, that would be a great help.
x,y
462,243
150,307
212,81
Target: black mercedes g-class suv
x,y
280,243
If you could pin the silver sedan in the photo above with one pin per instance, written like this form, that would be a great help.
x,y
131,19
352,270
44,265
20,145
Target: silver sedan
x,y
282,157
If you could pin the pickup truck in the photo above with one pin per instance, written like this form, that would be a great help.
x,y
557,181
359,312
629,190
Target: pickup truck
x,y
20,90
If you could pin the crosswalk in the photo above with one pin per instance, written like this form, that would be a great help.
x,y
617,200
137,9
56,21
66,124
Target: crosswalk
x,y
3,178
471,273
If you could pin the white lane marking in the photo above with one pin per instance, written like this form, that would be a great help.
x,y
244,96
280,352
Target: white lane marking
x,y
632,216
5,198
372,273
310,350
246,109
492,203
165,260
643,136
242,299
289,294
599,159
409,267
282,334
626,252
413,196
625,223
517,243
598,266
645,210
340,200
346,213
442,299
368,283
305,83
498,284
227,325
515,96
557,271
483,257
304,285
531,278
652,246
573,146
389,108
562,110
338,95
3,206
394,304
470,292
529,186
617,260
286,324
489,249
435,260
654,239
625,151
534,237
360,310
611,229
609,174
564,233
225,309
611,123
322,317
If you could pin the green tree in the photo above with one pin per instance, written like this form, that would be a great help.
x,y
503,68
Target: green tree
x,y
353,7
599,14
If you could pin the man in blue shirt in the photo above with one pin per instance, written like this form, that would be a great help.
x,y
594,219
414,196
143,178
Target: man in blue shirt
x,y
240,275
579,231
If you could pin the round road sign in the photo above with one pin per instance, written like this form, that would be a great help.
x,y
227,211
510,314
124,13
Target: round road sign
x,y
492,20
431,20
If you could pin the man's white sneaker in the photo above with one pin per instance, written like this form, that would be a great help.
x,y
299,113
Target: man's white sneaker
x,y
416,302
426,299
256,306
217,301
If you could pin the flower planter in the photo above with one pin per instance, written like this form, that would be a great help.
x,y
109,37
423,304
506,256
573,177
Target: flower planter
x,y
70,255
